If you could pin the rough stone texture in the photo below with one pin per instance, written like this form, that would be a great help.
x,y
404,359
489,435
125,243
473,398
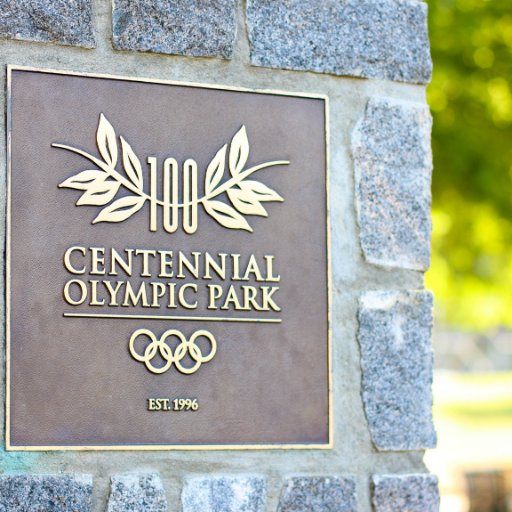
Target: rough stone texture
x,y
67,22
396,360
42,493
224,494
393,169
321,494
138,492
197,28
351,442
405,493
385,39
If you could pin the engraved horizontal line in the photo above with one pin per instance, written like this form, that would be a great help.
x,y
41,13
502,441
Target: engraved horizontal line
x,y
170,317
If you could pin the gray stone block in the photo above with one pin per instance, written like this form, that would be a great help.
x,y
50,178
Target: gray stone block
x,y
137,492
38,493
396,360
241,493
319,493
196,28
405,493
67,22
393,170
384,39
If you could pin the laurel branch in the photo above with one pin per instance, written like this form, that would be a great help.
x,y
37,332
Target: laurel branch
x,y
101,185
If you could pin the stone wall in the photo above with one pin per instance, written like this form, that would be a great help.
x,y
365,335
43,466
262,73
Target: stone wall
x,y
371,57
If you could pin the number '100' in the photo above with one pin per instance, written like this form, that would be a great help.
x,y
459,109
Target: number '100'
x,y
170,202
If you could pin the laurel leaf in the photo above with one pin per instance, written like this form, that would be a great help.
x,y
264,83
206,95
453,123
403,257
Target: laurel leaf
x,y
226,216
99,195
106,140
260,191
131,164
246,203
120,210
238,152
83,180
215,170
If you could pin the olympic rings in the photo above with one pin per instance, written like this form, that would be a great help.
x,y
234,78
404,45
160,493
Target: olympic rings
x,y
166,353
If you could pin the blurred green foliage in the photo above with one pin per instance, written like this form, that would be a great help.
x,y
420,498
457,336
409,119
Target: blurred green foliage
x,y
471,101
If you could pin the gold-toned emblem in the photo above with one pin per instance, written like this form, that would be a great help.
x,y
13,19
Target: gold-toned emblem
x,y
159,346
101,185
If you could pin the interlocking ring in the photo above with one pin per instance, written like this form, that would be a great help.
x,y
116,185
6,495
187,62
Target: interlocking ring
x,y
166,353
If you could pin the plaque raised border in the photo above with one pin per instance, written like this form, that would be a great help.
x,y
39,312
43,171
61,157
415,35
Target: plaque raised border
x,y
329,444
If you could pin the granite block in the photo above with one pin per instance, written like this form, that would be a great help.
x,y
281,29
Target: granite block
x,y
405,493
38,493
393,170
396,360
318,493
137,492
241,493
196,28
68,22
384,39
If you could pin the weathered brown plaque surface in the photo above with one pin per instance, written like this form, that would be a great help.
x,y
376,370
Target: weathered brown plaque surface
x,y
167,266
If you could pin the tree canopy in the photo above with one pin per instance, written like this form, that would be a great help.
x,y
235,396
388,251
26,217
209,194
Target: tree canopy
x,y
471,101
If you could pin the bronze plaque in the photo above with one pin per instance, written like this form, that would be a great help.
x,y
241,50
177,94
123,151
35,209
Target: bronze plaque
x,y
168,282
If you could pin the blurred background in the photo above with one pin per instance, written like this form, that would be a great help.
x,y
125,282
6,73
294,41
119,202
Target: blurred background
x,y
471,274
